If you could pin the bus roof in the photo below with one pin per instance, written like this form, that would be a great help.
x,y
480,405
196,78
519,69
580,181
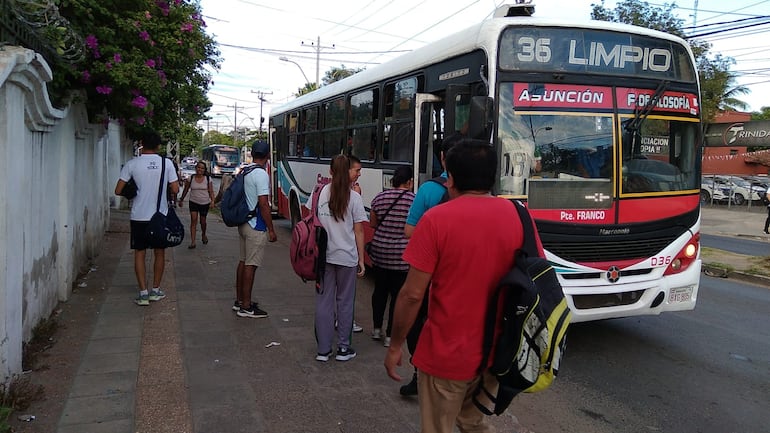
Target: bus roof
x,y
478,36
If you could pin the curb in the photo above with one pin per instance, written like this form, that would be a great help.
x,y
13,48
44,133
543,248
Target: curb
x,y
720,272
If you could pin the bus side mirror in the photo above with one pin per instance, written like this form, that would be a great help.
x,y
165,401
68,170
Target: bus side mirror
x,y
480,119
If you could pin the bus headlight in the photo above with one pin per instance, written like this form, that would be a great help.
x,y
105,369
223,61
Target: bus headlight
x,y
685,257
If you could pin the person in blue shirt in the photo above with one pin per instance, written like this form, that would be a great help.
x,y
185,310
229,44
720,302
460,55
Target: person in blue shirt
x,y
429,194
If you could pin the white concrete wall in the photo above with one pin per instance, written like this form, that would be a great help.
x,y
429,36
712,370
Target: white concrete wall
x,y
57,175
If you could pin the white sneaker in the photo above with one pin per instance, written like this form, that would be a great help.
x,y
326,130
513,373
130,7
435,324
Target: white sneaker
x,y
357,327
376,334
386,342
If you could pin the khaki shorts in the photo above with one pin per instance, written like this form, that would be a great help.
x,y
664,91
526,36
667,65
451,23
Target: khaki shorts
x,y
252,245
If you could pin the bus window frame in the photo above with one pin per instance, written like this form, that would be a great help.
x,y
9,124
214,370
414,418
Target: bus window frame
x,y
352,127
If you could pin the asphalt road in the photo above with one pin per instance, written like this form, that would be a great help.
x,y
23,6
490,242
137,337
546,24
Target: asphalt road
x,y
703,371
736,245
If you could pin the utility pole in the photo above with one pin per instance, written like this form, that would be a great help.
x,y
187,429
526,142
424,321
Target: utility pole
x,y
317,46
261,97
235,122
695,14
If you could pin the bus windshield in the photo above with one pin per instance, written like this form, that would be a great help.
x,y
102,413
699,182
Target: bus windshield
x,y
562,157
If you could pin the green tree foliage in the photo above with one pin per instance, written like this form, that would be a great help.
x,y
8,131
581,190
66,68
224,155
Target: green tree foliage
x,y
338,73
718,89
763,114
145,62
307,88
189,138
330,76
216,137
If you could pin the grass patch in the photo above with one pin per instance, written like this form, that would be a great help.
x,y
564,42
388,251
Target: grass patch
x,y
759,266
42,340
722,266
17,395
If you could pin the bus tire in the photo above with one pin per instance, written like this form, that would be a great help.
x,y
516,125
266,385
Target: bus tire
x,y
294,210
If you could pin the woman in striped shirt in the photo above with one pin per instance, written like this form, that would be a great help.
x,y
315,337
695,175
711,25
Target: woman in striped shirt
x,y
388,216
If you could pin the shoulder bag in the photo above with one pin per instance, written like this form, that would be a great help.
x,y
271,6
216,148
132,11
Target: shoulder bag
x,y
368,246
164,231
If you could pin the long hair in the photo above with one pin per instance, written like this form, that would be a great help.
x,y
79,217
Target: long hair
x,y
339,196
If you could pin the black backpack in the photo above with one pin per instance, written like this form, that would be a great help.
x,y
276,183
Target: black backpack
x,y
234,208
528,350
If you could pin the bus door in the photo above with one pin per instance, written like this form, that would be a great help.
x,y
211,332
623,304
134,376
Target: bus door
x,y
429,112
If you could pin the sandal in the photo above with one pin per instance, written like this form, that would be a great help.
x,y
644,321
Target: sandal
x,y
205,240
191,247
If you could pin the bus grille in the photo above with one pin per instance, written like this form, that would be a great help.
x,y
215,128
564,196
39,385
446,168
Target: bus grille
x,y
597,251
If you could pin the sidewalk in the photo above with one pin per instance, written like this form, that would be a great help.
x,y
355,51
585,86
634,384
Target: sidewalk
x,y
188,364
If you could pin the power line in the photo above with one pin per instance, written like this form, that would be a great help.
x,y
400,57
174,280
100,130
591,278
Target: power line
x,y
434,25
700,35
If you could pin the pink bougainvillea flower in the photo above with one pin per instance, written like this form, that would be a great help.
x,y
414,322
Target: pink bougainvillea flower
x,y
140,120
163,6
108,66
116,57
143,35
176,2
147,15
85,76
97,53
139,102
92,42
187,27
179,42
103,90
137,24
150,63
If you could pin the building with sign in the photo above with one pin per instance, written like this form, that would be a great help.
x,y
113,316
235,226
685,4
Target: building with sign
x,y
726,145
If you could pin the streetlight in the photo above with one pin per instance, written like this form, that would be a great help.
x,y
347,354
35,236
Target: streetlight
x,y
286,59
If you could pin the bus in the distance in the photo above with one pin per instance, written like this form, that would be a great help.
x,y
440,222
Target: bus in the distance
x,y
597,127
221,159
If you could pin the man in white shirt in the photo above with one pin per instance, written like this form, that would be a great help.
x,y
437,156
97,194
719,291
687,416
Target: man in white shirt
x,y
146,172
255,233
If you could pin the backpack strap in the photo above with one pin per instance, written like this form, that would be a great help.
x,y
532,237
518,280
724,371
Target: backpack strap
x,y
441,180
247,170
160,185
529,246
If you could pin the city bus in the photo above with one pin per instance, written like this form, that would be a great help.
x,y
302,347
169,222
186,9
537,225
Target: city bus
x,y
597,126
221,159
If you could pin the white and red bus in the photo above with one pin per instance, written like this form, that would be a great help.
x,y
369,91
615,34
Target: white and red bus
x,y
598,130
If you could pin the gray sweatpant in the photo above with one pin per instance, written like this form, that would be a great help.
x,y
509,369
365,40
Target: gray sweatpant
x,y
338,294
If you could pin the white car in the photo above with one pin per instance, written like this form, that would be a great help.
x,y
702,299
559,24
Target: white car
x,y
708,192
187,171
739,189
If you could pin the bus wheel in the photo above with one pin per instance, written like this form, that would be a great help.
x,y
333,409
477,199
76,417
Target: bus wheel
x,y
294,210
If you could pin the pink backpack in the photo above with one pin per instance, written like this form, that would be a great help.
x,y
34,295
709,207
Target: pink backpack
x,y
307,251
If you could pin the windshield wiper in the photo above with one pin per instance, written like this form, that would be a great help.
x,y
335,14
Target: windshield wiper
x,y
641,115
632,134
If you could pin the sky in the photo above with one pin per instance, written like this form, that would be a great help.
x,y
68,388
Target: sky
x,y
254,34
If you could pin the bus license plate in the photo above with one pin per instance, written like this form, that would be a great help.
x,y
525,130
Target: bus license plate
x,y
680,294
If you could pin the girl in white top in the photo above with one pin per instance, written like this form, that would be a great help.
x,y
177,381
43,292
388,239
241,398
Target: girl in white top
x,y
201,192
341,212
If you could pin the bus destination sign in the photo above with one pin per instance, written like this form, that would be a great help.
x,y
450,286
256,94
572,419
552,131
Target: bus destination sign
x,y
593,51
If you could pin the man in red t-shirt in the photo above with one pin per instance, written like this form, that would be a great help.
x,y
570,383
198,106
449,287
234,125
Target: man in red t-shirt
x,y
463,248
